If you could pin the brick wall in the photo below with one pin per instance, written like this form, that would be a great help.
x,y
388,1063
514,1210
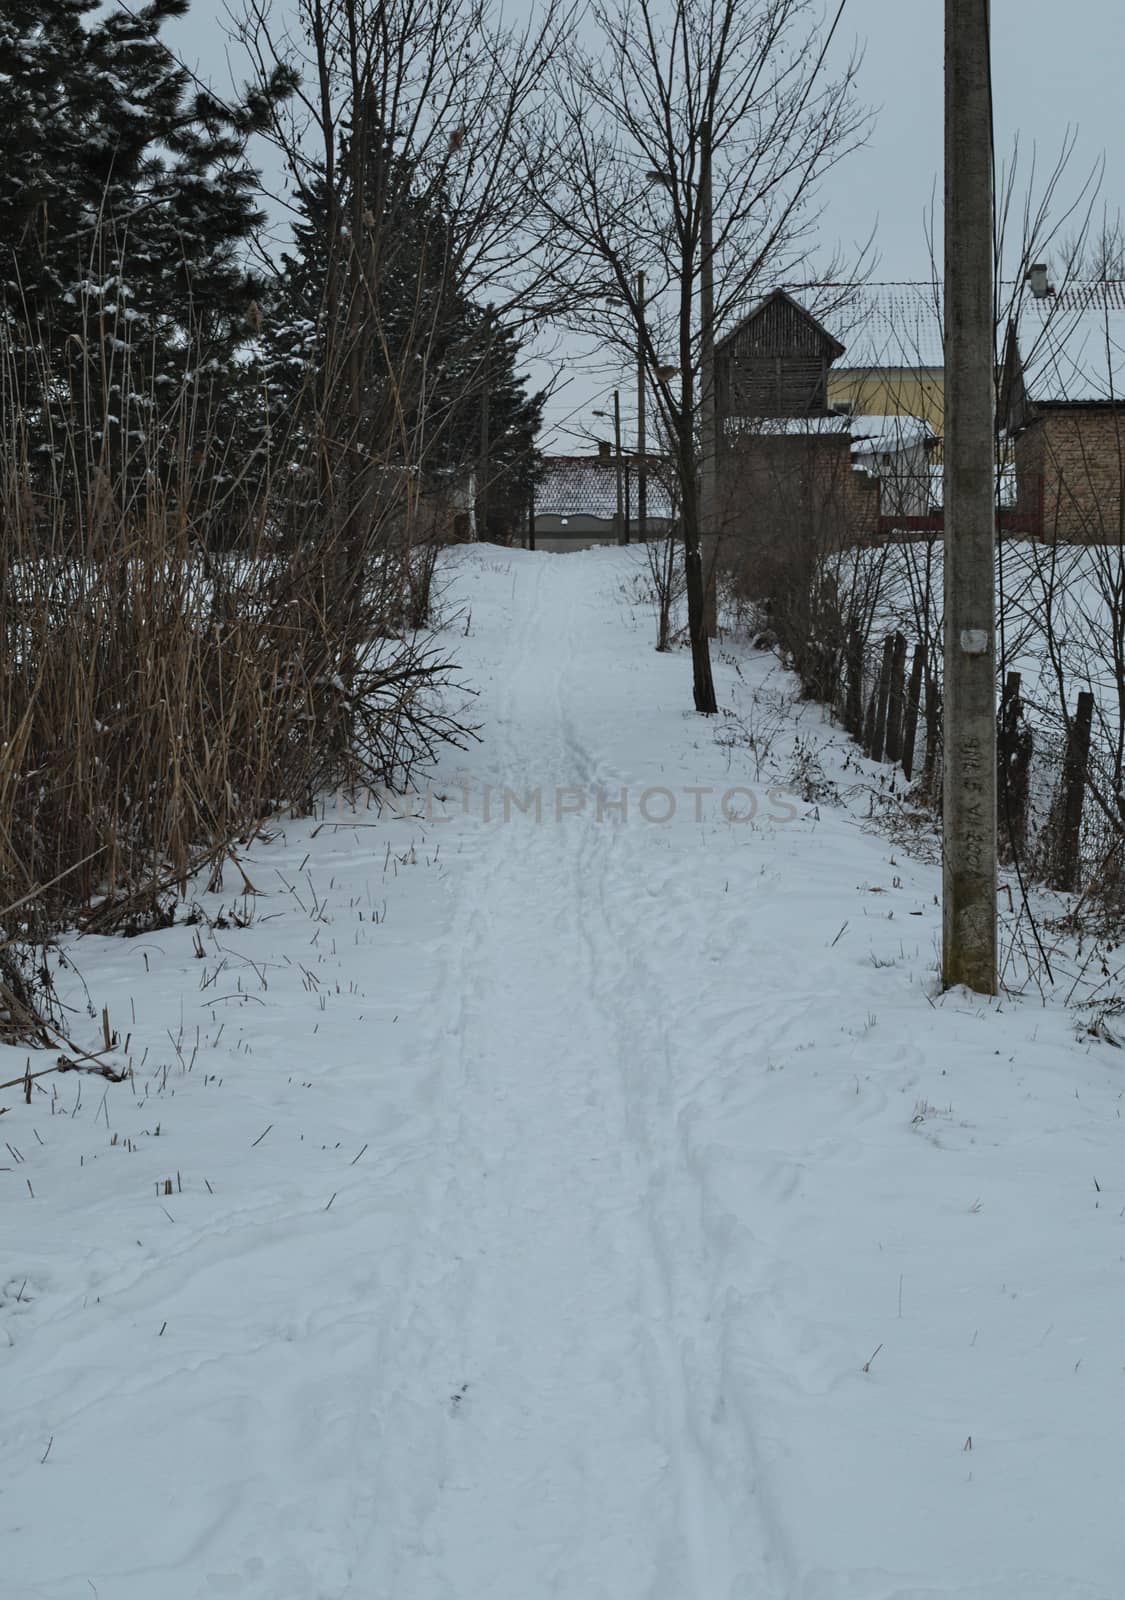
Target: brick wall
x,y
1029,462
800,492
863,499
1079,454
781,490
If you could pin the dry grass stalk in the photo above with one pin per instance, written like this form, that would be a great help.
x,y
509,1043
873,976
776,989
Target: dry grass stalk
x,y
191,639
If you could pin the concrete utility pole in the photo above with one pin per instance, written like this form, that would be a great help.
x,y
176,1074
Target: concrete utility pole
x,y
642,448
969,803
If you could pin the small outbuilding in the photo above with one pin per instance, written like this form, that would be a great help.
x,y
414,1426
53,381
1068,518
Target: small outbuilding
x,y
1062,406
898,452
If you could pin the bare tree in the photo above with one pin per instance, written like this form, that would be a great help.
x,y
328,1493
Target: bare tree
x,y
687,143
665,572
409,116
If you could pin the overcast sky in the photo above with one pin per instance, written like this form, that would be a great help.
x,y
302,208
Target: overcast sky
x,y
1055,65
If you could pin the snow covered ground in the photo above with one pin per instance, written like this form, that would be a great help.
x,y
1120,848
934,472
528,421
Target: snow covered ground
x,y
587,1205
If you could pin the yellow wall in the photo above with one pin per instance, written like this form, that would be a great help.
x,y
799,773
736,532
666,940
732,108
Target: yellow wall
x,y
891,392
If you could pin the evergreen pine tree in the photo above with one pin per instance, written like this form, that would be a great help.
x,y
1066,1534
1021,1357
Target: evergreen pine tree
x,y
126,204
429,353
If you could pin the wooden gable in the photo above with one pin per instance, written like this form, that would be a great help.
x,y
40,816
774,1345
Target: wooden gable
x,y
1013,409
775,363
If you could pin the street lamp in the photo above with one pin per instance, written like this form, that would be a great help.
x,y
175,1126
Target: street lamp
x,y
622,491
617,299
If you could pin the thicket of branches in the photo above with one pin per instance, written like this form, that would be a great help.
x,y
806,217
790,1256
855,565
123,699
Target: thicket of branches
x,y
223,482
1061,586
688,143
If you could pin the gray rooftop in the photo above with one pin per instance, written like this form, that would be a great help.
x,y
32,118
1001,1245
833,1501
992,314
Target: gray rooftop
x,y
891,325
574,486
1072,345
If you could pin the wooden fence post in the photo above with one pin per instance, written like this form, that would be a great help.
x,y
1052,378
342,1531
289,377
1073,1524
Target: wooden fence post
x,y
853,705
879,734
910,719
1069,824
893,745
933,734
1013,761
868,741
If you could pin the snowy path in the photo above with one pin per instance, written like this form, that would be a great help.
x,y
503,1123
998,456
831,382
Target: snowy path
x,y
540,1188
546,1303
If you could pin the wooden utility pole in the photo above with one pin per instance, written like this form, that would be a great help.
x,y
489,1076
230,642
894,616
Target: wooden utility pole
x,y
709,466
642,457
485,421
622,469
969,801
622,523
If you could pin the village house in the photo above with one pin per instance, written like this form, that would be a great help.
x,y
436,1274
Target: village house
x,y
1062,404
823,443
894,363
1061,395
794,468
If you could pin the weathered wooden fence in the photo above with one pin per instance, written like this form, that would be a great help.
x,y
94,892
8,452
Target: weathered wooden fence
x,y
896,719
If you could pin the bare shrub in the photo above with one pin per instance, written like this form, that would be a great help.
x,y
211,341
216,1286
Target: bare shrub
x,y
165,685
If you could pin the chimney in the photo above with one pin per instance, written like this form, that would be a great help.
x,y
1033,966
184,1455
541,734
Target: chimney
x,y
1037,280
605,450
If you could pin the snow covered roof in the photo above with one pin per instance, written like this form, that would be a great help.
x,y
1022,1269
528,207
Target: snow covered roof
x,y
879,434
892,325
868,433
789,427
1072,345
574,486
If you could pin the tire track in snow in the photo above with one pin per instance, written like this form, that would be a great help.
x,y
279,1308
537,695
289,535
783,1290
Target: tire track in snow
x,y
550,1453
415,1354
532,1419
728,1551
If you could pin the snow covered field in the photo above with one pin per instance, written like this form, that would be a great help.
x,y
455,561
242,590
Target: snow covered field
x,y
583,1205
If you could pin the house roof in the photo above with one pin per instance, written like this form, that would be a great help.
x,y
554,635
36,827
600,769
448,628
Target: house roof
x,y
833,345
574,486
1072,345
891,325
868,434
872,324
881,434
